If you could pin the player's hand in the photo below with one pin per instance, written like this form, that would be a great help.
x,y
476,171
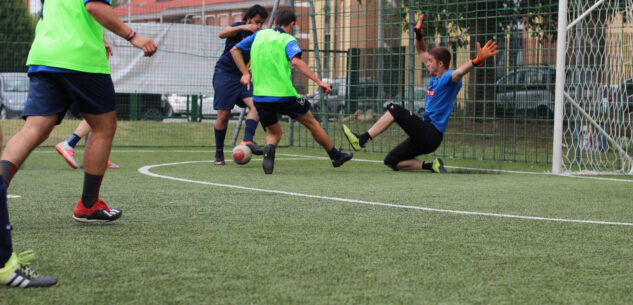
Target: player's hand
x,y
418,27
144,43
246,80
486,52
108,48
251,27
325,88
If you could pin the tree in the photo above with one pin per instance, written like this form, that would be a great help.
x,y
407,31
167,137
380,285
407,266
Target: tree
x,y
16,35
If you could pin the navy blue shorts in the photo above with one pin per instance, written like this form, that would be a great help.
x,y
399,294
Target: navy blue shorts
x,y
229,91
268,111
53,93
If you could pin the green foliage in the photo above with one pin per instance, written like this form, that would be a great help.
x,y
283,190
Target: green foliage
x,y
16,35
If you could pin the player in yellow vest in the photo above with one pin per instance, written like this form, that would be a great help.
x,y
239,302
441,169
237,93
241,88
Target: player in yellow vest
x,y
272,51
67,65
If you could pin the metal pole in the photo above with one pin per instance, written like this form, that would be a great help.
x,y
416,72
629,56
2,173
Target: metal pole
x,y
129,11
204,21
561,50
272,14
411,54
380,46
317,59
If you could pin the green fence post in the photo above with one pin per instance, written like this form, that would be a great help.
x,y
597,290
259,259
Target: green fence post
x,y
194,108
353,74
133,107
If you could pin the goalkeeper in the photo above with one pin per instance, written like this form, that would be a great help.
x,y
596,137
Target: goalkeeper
x,y
426,133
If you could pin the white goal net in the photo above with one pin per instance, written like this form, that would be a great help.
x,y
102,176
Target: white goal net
x,y
596,103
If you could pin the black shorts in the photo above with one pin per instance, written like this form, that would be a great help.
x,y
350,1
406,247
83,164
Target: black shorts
x,y
269,112
54,92
423,138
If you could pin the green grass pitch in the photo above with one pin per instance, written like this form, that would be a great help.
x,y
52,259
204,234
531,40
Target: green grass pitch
x,y
194,233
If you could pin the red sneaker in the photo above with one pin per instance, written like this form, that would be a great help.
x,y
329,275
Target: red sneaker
x,y
98,213
68,153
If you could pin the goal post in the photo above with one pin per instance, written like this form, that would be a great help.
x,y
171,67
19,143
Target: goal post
x,y
593,106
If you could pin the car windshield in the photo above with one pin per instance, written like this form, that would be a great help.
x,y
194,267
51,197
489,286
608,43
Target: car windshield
x,y
17,85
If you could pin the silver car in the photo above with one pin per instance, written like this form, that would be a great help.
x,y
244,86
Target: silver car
x,y
526,89
14,88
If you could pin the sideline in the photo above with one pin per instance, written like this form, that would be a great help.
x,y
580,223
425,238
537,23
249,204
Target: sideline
x,y
145,170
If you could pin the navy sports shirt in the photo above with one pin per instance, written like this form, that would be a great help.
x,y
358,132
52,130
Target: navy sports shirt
x,y
225,63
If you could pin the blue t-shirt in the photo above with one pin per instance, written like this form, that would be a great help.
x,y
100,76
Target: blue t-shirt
x,y
41,68
225,63
440,95
292,50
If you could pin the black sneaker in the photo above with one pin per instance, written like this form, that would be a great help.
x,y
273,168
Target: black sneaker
x,y
269,159
343,157
255,149
99,212
219,160
17,273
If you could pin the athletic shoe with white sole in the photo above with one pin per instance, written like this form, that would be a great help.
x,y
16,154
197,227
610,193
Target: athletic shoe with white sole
x,y
98,213
438,166
352,138
219,160
269,159
17,273
68,152
112,165
255,149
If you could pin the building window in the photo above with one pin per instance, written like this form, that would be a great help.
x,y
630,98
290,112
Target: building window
x,y
210,19
237,17
224,19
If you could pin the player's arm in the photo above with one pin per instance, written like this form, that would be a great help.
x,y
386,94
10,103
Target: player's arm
x,y
238,58
482,54
420,45
104,14
231,31
302,67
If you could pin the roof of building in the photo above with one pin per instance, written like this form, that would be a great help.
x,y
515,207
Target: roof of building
x,y
139,7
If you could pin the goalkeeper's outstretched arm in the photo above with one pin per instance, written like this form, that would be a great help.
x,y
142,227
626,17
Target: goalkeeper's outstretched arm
x,y
420,45
482,54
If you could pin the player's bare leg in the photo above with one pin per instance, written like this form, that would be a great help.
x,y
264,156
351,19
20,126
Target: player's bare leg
x,y
251,125
319,134
36,129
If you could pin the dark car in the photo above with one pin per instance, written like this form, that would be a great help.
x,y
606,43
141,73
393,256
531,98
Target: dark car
x,y
524,89
14,88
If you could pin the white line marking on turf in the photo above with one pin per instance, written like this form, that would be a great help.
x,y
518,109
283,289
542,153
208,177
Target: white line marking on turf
x,y
145,170
14,196
377,161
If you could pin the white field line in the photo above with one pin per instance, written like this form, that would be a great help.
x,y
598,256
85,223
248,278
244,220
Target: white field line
x,y
145,170
378,161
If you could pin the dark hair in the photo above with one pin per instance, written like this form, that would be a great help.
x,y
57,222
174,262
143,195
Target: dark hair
x,y
254,11
285,16
442,54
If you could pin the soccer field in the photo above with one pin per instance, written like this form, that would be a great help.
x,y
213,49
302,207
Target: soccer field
x,y
194,233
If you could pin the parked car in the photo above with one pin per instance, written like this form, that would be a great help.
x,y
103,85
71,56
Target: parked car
x,y
523,89
366,93
177,105
14,88
402,99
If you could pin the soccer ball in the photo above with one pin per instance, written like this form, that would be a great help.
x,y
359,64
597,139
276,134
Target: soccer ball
x,y
242,154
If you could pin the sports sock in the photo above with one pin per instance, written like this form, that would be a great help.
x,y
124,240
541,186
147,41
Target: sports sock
x,y
219,141
364,138
427,165
6,247
8,171
334,153
249,130
73,140
92,184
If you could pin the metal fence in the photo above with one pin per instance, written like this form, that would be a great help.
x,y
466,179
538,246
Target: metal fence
x,y
365,50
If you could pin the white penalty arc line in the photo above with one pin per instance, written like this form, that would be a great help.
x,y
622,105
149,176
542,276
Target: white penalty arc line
x,y
145,170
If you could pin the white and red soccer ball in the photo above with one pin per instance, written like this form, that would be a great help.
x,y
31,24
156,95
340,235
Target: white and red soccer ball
x,y
242,154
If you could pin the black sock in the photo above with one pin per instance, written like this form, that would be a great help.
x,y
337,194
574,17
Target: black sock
x,y
427,165
363,139
90,194
334,154
8,171
6,247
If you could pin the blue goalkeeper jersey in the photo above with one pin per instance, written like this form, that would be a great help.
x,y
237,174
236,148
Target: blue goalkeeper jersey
x,y
440,95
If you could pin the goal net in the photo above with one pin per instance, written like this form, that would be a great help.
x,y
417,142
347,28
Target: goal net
x,y
595,108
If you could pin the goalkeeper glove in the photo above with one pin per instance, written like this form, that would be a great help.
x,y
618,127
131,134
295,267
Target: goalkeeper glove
x,y
484,53
418,28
